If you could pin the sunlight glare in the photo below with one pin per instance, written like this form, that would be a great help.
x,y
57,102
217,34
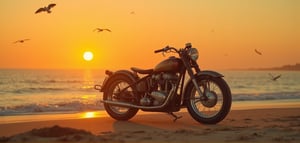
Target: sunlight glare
x,y
89,115
88,56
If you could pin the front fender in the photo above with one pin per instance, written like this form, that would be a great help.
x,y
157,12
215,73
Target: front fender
x,y
206,73
109,79
209,73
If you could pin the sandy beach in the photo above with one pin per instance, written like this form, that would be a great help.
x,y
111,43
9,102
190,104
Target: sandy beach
x,y
247,125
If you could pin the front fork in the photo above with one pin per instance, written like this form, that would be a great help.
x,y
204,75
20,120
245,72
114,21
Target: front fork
x,y
202,96
193,78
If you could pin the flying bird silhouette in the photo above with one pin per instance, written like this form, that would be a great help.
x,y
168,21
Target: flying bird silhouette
x,y
46,8
274,78
258,52
21,41
101,30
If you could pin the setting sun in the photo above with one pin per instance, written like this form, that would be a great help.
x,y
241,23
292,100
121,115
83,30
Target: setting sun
x,y
88,56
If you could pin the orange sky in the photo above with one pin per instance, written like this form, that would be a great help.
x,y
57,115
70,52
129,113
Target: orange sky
x,y
225,32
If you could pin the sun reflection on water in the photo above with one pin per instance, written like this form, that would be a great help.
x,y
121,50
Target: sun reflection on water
x,y
88,80
88,115
85,97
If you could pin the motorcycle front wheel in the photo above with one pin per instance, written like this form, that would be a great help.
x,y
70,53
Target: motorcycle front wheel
x,y
119,83
216,106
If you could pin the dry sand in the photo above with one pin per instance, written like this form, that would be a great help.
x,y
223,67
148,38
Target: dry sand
x,y
254,125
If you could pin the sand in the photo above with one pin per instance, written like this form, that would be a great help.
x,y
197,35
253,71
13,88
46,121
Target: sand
x,y
253,125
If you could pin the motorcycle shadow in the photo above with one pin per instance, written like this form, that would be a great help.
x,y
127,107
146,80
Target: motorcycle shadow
x,y
160,127
240,126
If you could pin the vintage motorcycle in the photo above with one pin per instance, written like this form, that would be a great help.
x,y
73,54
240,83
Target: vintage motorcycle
x,y
164,88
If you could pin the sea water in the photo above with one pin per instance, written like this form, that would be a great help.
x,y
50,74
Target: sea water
x,y
48,91
39,91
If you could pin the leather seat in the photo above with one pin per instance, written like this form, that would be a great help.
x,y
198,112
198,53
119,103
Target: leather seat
x,y
142,71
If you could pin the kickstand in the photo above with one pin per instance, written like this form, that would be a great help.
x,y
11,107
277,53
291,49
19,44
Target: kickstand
x,y
175,116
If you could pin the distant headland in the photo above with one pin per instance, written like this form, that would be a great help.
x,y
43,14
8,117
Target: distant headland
x,y
295,67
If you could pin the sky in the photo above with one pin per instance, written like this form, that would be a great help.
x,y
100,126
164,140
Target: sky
x,y
225,32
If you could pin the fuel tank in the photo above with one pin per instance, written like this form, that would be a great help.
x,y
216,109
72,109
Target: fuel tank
x,y
172,64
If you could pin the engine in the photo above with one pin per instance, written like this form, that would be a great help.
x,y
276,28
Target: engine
x,y
156,88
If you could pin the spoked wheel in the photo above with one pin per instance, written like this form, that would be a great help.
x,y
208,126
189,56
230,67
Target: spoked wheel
x,y
213,107
114,94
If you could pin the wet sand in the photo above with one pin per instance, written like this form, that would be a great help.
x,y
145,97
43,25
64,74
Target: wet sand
x,y
252,125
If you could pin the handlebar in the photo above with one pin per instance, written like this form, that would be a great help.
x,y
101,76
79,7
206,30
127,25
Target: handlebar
x,y
168,48
162,50
158,51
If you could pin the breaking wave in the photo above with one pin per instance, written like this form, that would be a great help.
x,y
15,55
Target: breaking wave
x,y
43,108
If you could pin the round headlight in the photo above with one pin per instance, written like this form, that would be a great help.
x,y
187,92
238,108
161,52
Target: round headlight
x,y
193,53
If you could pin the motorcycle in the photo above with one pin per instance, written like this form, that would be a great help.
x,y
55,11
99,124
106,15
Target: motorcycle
x,y
206,95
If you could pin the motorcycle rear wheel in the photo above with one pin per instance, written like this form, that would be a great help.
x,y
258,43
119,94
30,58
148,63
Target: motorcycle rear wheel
x,y
216,107
118,83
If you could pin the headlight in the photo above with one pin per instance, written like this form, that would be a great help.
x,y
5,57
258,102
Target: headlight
x,y
193,53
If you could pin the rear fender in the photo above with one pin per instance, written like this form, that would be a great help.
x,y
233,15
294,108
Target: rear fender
x,y
110,78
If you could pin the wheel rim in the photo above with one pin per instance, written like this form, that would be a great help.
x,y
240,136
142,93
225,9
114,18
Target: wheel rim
x,y
212,99
117,88
212,105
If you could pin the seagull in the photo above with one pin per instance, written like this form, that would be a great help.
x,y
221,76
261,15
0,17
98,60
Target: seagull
x,y
274,78
100,30
258,52
21,41
132,12
46,8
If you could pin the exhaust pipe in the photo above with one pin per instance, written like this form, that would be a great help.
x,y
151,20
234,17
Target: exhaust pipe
x,y
128,105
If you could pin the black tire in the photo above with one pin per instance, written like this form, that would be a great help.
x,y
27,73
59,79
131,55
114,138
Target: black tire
x,y
216,108
116,112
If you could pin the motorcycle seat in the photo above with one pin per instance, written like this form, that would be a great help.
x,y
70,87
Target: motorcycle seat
x,y
142,71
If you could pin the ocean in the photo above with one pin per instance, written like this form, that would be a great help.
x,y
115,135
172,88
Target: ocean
x,y
60,91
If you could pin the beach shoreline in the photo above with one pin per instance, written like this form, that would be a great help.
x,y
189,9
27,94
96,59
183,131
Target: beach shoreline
x,y
259,125
48,116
